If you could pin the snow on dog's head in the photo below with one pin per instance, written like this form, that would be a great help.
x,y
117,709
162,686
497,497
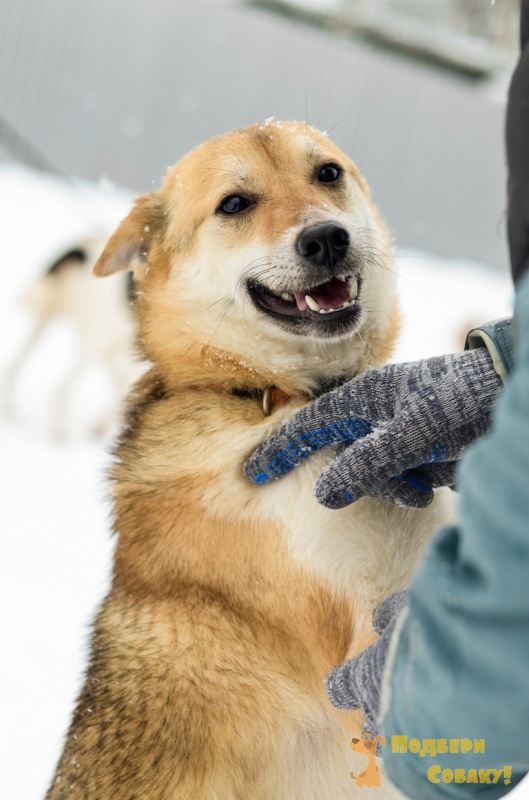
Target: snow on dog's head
x,y
261,256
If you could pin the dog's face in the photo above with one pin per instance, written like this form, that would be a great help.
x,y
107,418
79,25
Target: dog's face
x,y
264,245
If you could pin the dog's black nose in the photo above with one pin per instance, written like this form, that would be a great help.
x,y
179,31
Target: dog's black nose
x,y
325,243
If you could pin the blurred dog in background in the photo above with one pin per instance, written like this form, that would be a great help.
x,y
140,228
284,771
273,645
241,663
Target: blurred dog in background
x,y
102,324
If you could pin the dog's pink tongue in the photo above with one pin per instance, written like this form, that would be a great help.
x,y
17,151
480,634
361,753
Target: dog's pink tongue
x,y
300,300
329,295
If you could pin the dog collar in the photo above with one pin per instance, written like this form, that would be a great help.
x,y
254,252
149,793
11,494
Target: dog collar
x,y
270,397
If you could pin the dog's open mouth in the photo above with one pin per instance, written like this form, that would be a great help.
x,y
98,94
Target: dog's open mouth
x,y
334,301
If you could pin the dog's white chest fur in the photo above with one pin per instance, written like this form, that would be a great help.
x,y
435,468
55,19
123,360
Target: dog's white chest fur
x,y
371,547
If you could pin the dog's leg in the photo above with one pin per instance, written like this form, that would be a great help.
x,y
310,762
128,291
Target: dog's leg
x,y
13,372
59,424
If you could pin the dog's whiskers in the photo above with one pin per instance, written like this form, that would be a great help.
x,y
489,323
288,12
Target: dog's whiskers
x,y
326,133
232,151
233,172
260,271
221,317
220,300
255,266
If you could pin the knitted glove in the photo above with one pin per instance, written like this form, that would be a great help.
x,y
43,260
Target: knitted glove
x,y
356,684
414,487
399,417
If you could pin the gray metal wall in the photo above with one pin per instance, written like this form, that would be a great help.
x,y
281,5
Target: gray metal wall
x,y
122,88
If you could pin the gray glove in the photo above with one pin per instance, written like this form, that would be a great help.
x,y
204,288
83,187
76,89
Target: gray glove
x,y
356,684
400,419
414,487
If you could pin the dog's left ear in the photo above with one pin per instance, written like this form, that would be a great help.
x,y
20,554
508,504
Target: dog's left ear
x,y
128,248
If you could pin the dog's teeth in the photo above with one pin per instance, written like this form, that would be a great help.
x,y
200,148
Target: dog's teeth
x,y
312,303
332,310
353,290
342,279
288,298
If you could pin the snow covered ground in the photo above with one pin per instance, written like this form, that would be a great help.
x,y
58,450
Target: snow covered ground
x,y
54,517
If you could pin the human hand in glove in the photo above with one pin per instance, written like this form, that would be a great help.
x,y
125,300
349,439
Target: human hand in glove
x,y
408,424
356,684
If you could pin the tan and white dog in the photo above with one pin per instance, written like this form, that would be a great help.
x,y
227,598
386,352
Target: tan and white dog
x,y
100,320
262,271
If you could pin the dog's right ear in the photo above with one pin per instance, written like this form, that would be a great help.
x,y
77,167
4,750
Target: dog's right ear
x,y
128,248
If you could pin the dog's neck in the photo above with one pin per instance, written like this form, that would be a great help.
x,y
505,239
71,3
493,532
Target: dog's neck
x,y
227,374
271,398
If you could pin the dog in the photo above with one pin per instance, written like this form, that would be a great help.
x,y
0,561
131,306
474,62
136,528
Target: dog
x,y
102,323
263,276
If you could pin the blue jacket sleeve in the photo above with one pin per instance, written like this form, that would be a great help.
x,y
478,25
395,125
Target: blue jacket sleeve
x,y
458,666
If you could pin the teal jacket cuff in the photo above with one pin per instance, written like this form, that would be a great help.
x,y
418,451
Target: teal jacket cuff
x,y
497,337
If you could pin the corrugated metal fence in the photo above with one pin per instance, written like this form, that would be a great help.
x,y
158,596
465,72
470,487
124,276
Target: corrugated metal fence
x,y
122,88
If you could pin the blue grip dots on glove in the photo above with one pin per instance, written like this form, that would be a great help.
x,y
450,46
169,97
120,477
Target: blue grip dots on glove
x,y
304,444
404,427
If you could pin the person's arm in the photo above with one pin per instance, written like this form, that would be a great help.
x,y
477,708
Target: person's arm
x,y
458,659
458,662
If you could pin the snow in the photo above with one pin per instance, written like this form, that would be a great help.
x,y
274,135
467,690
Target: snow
x,y
55,518
441,300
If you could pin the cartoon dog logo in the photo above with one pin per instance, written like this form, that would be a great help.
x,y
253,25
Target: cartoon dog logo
x,y
367,746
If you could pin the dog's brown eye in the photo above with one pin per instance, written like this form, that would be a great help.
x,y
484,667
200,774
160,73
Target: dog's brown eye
x,y
233,204
329,173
